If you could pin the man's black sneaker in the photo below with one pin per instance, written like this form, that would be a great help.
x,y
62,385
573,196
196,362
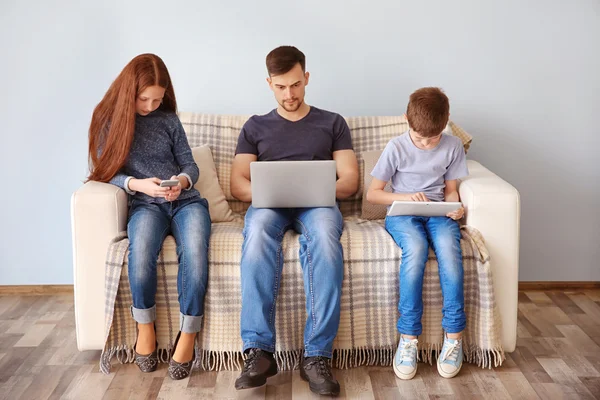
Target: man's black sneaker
x,y
317,372
258,366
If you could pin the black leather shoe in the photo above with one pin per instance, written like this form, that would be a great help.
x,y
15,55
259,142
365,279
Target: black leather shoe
x,y
179,370
317,372
146,362
258,366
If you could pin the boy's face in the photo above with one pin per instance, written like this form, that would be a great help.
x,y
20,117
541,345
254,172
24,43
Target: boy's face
x,y
425,143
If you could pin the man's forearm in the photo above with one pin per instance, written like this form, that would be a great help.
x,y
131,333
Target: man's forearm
x,y
346,187
242,190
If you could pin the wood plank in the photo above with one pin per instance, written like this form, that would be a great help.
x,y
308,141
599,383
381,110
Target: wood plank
x,y
529,366
35,335
565,303
540,298
383,384
592,384
591,308
579,339
89,383
560,373
489,384
279,387
435,384
464,385
517,385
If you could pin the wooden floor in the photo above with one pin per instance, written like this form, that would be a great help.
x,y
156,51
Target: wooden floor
x,y
557,356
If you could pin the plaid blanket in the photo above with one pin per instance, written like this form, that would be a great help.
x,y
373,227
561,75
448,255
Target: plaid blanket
x,y
367,333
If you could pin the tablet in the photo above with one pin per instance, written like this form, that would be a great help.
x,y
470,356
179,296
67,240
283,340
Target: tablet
x,y
422,208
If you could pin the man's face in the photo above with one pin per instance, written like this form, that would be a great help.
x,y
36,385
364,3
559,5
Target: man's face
x,y
289,88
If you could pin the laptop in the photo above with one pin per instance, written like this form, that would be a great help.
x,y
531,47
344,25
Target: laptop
x,y
293,184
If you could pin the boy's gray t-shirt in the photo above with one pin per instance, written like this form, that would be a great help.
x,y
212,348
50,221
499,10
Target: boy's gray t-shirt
x,y
413,170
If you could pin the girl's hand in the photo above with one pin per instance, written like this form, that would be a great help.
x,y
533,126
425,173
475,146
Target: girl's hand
x,y
174,191
457,214
149,186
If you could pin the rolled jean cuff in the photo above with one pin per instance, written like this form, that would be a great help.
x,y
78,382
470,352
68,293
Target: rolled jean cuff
x,y
144,315
190,323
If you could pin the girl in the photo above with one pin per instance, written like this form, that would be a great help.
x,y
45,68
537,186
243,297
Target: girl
x,y
137,140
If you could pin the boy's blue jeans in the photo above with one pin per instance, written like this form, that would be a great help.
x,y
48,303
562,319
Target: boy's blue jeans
x,y
414,235
189,222
322,266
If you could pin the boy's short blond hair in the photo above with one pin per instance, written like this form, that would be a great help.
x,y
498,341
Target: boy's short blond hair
x,y
428,111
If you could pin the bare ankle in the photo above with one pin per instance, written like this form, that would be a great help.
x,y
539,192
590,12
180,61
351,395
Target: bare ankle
x,y
455,336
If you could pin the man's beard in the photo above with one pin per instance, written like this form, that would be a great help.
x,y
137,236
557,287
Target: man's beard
x,y
293,106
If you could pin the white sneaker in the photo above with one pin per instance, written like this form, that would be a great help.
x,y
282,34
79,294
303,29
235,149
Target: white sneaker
x,y
405,360
451,357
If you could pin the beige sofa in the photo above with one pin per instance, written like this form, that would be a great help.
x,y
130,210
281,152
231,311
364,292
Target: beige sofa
x,y
99,213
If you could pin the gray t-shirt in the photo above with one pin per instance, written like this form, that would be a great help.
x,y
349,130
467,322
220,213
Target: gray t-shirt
x,y
415,170
315,137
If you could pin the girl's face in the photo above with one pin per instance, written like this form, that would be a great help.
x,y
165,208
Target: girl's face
x,y
149,100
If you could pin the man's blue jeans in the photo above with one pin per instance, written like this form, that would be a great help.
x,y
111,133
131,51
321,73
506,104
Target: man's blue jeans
x,y
414,235
189,222
322,266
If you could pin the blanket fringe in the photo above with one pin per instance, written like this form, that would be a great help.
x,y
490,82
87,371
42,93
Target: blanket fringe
x,y
289,360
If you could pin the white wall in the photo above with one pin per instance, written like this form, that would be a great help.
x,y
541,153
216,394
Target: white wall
x,y
522,76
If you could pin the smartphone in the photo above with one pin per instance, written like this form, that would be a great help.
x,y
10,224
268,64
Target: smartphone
x,y
169,183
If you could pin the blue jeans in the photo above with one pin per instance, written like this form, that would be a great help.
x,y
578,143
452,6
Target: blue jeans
x,y
322,266
189,222
414,235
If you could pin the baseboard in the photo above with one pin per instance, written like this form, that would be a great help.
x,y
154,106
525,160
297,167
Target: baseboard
x,y
558,285
41,290
35,290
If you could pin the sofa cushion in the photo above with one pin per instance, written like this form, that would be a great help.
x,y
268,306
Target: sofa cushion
x,y
368,210
209,187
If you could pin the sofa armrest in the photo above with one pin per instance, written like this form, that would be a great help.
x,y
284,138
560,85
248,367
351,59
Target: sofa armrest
x,y
493,207
98,214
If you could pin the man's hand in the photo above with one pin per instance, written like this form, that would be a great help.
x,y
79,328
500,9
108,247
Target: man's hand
x,y
457,214
420,196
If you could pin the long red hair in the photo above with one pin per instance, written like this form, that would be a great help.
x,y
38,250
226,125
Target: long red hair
x,y
113,122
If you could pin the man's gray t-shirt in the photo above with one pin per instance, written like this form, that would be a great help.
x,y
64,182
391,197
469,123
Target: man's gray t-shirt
x,y
415,170
315,137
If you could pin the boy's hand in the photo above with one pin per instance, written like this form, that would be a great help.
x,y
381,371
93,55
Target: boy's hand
x,y
457,214
174,191
418,197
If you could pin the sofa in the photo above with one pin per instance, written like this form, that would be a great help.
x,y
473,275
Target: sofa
x,y
99,214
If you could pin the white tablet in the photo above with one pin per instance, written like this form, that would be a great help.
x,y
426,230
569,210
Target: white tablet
x,y
423,208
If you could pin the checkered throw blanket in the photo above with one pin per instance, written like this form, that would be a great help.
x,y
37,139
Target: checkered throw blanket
x,y
367,333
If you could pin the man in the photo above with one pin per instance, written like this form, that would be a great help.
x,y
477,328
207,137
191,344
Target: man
x,y
292,131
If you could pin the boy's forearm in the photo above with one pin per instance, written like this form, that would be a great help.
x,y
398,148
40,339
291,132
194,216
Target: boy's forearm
x,y
452,196
385,198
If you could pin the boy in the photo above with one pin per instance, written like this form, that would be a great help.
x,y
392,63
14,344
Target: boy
x,y
424,165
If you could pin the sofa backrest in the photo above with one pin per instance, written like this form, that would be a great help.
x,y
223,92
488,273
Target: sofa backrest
x,y
220,132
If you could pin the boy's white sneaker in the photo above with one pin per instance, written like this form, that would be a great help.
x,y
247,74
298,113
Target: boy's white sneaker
x,y
450,358
405,360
